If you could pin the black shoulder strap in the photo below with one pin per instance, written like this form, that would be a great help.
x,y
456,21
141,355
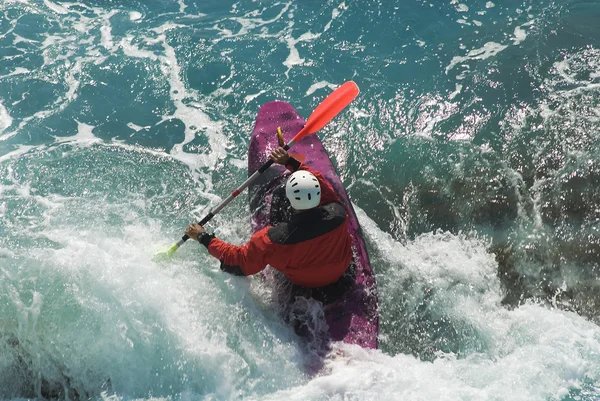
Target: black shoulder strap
x,y
308,225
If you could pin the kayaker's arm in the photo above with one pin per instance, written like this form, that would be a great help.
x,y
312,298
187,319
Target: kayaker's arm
x,y
237,260
243,260
205,239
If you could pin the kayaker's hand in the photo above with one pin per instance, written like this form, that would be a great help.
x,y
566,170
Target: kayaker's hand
x,y
194,230
280,156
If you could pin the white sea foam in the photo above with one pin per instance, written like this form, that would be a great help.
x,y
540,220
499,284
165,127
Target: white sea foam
x,y
17,71
190,113
294,58
83,137
169,26
5,253
238,163
181,315
519,35
19,151
359,113
182,6
56,7
568,71
137,128
135,16
73,81
456,92
250,22
426,115
531,352
334,14
249,98
320,85
132,50
106,31
19,39
490,49
5,119
462,8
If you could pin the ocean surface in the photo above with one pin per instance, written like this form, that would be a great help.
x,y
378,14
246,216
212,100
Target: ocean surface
x,y
472,156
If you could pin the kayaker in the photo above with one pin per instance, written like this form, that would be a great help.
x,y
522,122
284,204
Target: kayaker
x,y
312,248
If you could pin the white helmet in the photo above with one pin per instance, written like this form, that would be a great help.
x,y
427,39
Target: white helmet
x,y
303,190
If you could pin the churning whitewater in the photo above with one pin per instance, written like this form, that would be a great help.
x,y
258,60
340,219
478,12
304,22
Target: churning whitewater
x,y
471,156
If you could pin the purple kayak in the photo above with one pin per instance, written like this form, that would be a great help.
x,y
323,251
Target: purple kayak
x,y
351,317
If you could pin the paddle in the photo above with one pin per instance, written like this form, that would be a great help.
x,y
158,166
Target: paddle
x,y
323,114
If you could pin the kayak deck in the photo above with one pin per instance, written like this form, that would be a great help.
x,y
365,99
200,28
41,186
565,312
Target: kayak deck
x,y
351,317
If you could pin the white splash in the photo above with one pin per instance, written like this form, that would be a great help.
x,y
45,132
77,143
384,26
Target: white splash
x,y
531,352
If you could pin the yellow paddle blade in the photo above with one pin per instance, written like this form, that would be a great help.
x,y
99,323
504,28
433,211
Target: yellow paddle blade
x,y
165,254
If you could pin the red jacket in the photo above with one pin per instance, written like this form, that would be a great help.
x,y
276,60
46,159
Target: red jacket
x,y
313,249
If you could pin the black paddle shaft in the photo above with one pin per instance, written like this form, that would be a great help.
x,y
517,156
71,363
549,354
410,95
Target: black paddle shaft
x,y
235,193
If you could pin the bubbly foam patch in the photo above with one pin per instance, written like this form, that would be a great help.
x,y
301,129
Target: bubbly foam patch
x,y
99,305
85,39
135,16
5,119
320,85
83,137
531,352
490,49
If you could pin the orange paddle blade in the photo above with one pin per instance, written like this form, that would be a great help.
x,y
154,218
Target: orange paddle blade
x,y
329,108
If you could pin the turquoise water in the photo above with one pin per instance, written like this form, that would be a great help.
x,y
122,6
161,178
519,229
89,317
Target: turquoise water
x,y
472,156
